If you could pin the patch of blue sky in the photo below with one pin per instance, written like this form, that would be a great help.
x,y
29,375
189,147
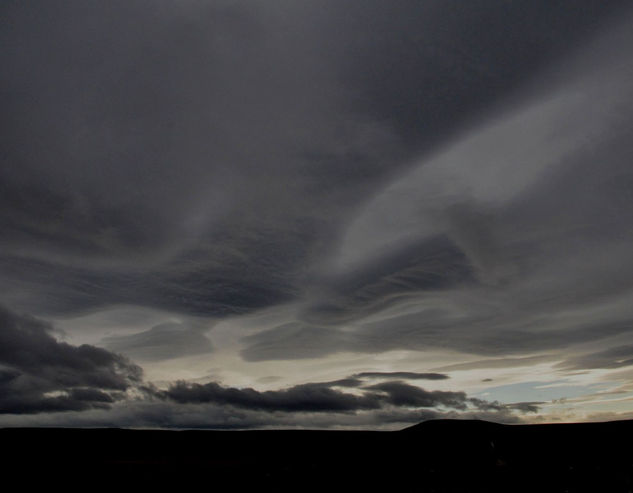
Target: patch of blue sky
x,y
538,391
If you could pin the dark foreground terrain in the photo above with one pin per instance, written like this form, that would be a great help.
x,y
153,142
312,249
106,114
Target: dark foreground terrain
x,y
443,456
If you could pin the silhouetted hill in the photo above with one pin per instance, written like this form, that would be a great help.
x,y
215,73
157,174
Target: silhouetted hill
x,y
434,456
437,424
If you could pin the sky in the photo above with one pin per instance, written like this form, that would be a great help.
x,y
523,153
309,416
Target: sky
x,y
315,214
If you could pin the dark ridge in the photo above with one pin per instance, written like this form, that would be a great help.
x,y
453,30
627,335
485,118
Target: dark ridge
x,y
441,424
434,456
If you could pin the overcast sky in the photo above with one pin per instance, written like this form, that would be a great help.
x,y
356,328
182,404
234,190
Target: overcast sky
x,y
319,213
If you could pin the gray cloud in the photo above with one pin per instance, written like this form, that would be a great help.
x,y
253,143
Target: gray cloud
x,y
495,46
616,357
189,111
525,407
163,341
433,328
269,379
292,341
432,265
495,363
516,278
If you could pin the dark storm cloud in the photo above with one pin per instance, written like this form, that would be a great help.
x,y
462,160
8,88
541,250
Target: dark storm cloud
x,y
402,394
384,403
163,341
496,406
163,414
352,381
322,397
404,375
40,374
312,397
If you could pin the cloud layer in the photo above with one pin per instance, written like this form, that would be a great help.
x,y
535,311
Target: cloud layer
x,y
444,178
